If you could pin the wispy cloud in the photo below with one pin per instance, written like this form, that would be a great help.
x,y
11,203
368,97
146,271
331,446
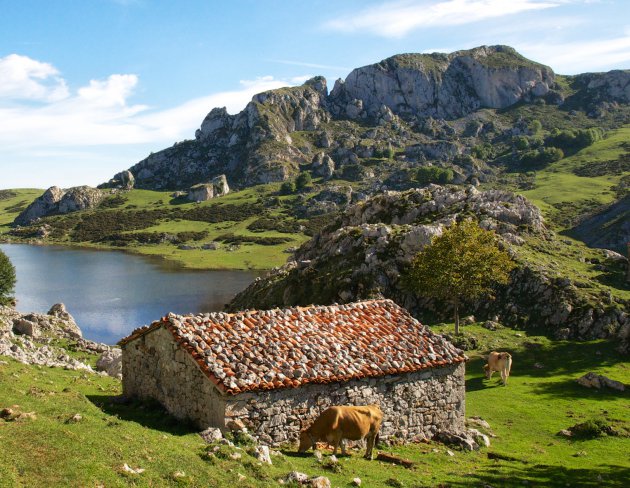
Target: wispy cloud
x,y
579,56
310,65
399,18
100,112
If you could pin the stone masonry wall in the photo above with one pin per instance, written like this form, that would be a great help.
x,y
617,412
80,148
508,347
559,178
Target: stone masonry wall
x,y
155,367
420,403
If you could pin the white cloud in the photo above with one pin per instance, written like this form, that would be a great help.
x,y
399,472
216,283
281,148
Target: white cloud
x,y
399,18
43,125
23,78
580,56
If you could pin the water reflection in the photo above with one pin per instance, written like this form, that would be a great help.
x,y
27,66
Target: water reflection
x,y
110,293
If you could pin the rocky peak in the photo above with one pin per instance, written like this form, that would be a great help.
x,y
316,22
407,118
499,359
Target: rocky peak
x,y
441,85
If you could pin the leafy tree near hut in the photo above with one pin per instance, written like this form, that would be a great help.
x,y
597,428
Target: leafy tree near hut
x,y
7,279
462,264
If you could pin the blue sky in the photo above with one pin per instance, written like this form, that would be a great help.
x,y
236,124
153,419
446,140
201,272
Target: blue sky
x,y
90,87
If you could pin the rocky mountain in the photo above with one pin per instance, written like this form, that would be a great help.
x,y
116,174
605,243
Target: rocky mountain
x,y
365,252
424,107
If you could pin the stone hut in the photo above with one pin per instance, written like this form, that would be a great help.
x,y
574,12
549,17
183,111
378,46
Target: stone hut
x,y
276,370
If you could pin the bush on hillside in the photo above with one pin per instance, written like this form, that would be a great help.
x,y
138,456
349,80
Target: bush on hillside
x,y
434,174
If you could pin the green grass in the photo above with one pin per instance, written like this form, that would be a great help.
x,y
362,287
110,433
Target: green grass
x,y
525,416
557,187
10,207
245,256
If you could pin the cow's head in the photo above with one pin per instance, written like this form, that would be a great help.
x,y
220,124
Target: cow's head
x,y
306,441
486,368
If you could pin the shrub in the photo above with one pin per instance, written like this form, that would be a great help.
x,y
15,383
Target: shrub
x,y
541,157
7,279
434,174
303,181
287,188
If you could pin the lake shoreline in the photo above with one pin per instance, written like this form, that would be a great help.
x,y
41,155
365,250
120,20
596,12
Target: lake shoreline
x,y
111,293
135,251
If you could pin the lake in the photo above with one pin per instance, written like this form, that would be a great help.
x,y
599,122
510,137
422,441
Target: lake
x,y
110,293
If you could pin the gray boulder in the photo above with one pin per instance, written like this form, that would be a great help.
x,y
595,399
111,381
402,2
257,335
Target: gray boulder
x,y
121,181
207,191
58,201
111,363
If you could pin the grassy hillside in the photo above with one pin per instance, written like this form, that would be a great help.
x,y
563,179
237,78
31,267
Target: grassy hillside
x,y
574,186
541,399
155,223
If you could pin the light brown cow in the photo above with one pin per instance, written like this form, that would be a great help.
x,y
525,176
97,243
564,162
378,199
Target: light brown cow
x,y
336,424
500,362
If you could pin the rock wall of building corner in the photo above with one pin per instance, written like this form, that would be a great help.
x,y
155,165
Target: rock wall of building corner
x,y
155,367
414,404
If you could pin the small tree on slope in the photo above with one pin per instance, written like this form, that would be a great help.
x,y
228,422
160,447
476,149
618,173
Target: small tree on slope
x,y
7,279
463,263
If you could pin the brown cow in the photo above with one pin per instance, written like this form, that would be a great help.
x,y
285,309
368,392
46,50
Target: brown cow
x,y
500,362
347,422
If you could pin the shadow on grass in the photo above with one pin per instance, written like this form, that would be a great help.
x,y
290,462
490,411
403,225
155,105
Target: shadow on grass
x,y
544,475
149,414
565,358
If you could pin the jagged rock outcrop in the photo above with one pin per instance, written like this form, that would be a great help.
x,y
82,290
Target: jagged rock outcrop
x,y
206,191
440,85
366,252
121,181
251,147
57,201
31,338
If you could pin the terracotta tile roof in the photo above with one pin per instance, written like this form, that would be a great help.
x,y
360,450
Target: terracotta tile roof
x,y
268,349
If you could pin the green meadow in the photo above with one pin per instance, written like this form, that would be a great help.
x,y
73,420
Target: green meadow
x,y
525,417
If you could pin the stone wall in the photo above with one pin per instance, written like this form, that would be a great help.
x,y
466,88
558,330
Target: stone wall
x,y
154,366
420,403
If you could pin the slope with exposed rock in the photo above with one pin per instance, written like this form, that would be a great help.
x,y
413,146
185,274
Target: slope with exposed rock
x,y
364,254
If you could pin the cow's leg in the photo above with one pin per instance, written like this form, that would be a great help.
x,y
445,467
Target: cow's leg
x,y
344,442
336,441
371,438
504,376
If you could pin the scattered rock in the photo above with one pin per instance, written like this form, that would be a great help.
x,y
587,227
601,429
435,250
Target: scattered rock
x,y
319,482
296,477
111,363
76,418
593,380
236,425
128,469
356,481
262,454
211,434
450,453
463,440
565,433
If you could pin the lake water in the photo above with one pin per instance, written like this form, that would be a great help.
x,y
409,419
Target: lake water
x,y
110,293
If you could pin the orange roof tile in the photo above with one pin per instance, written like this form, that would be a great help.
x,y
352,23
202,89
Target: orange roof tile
x,y
268,349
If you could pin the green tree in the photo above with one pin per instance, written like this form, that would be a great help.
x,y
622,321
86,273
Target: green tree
x,y
303,180
287,188
7,279
461,264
